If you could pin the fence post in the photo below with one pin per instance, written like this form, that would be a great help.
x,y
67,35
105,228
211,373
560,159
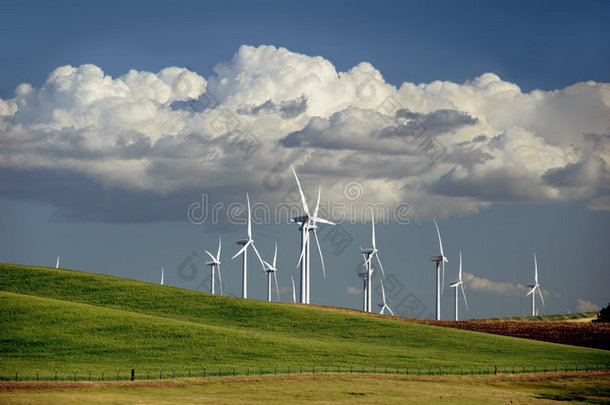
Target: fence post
x,y
260,369
160,375
102,376
147,373
133,374
248,371
173,373
56,374
275,369
351,369
74,379
233,371
219,371
89,375
339,368
117,374
313,368
496,370
36,375
189,372
204,369
16,375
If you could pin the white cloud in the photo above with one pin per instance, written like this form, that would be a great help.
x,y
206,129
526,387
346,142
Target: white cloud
x,y
507,288
586,306
160,139
353,290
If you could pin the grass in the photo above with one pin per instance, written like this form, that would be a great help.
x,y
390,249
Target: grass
x,y
328,388
76,322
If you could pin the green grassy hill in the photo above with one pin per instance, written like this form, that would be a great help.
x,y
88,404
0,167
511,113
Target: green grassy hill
x,y
80,321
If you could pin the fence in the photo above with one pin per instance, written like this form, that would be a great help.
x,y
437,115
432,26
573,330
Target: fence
x,y
217,371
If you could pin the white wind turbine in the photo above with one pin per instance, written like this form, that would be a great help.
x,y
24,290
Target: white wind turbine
x,y
270,268
459,284
385,304
368,263
439,259
245,243
162,275
57,263
308,223
215,265
535,287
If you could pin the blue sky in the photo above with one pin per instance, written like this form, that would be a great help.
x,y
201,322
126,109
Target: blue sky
x,y
118,220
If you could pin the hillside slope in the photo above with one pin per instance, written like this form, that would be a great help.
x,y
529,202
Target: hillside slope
x,y
77,321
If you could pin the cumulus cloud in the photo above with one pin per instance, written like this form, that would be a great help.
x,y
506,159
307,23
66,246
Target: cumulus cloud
x,y
353,290
586,306
144,145
507,288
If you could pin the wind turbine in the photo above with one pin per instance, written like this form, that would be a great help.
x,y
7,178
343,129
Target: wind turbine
x,y
385,304
459,284
365,275
162,275
439,259
270,268
308,223
245,243
57,263
215,264
369,253
535,287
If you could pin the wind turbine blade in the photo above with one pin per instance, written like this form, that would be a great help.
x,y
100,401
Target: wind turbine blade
x,y
300,192
440,242
267,264
325,221
57,263
535,269
382,292
219,246
294,294
257,255
464,295
373,229
367,260
219,278
306,240
275,255
540,293
389,309
443,283
315,212
162,275
209,254
277,289
460,273
244,247
249,219
531,291
315,234
379,261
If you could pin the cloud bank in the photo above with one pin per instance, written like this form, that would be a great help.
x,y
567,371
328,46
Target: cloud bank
x,y
143,146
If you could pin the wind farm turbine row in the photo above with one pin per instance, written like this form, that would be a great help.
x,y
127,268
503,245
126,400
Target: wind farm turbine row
x,y
307,225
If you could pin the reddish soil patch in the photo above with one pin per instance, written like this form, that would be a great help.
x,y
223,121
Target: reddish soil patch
x,y
586,334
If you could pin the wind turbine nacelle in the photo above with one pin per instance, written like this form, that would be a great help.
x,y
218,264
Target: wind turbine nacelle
x,y
301,219
210,263
436,259
242,242
370,250
531,286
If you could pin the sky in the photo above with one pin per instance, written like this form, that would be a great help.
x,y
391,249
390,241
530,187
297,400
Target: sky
x,y
130,133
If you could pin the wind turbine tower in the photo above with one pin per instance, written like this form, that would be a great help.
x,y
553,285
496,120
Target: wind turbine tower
x,y
244,243
368,263
307,223
271,269
439,259
215,265
459,284
535,287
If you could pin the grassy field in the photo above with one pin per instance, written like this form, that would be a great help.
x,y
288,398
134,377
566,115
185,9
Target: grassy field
x,y
78,322
327,388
